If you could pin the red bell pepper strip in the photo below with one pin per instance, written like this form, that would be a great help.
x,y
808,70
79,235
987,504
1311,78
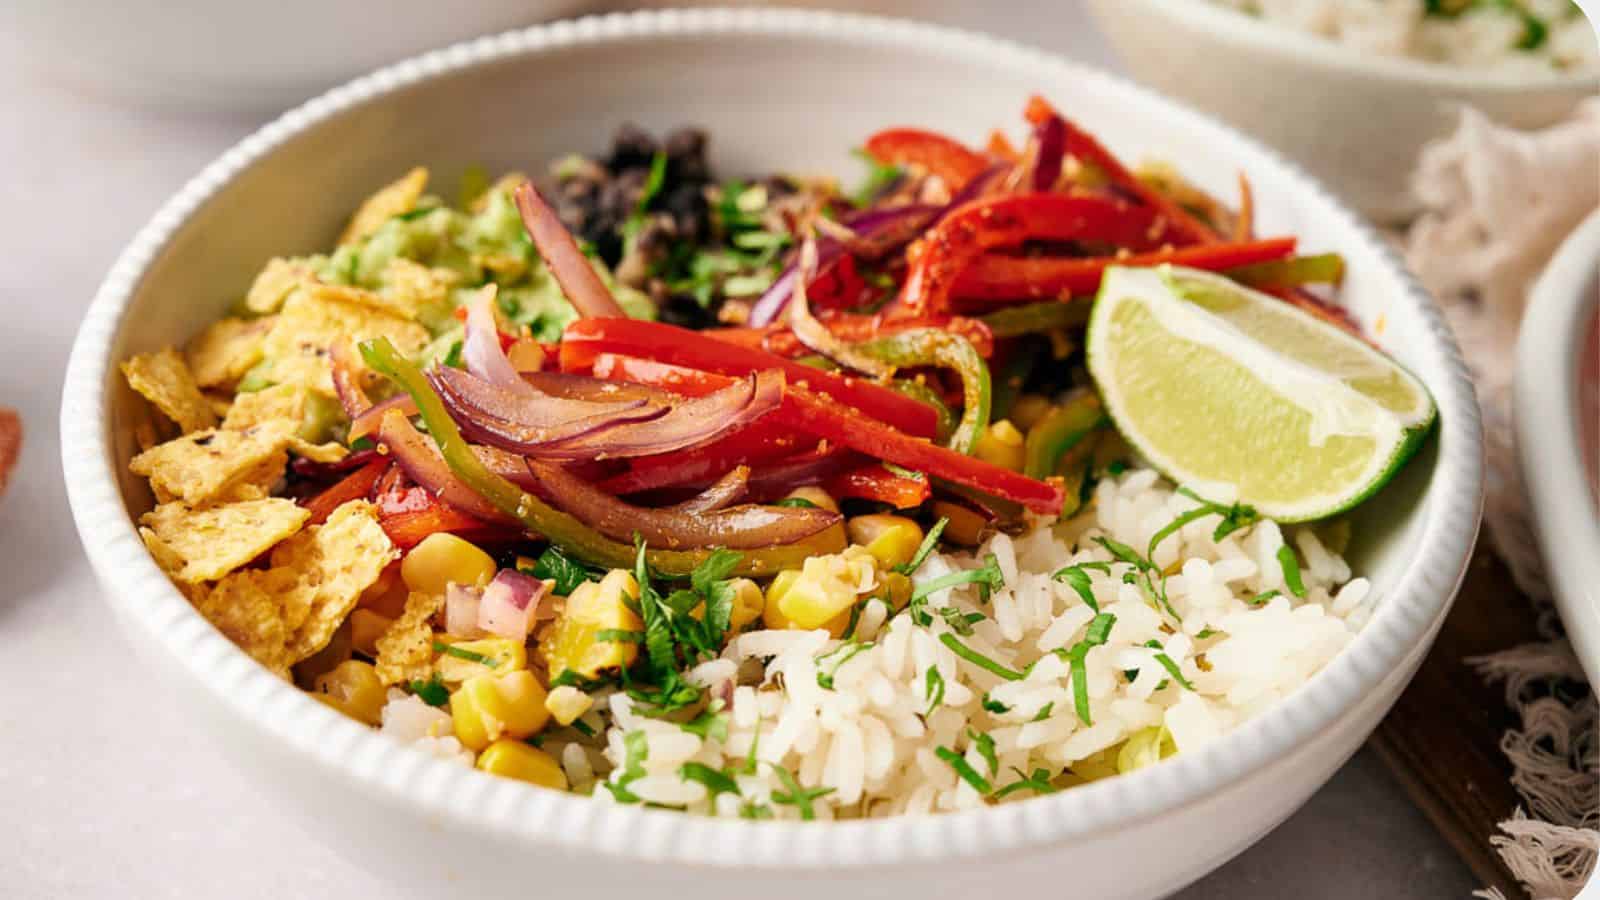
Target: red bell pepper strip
x,y
1007,221
941,156
992,278
874,482
855,328
842,427
1180,225
355,486
587,338
408,529
762,442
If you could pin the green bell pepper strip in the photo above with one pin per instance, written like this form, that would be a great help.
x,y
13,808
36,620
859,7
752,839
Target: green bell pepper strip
x,y
1033,318
919,391
558,527
1323,268
1066,426
932,347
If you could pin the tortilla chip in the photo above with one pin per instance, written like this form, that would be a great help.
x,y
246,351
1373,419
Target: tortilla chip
x,y
297,347
201,466
334,563
210,543
244,606
273,285
165,557
405,651
281,401
410,287
165,380
344,293
330,452
226,350
259,482
390,201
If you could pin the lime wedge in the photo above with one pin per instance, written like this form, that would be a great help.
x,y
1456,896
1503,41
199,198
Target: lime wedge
x,y
1216,384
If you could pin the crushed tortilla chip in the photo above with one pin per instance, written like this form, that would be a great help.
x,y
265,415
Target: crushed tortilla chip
x,y
226,350
164,379
245,607
507,183
296,350
165,557
259,481
405,651
212,542
390,200
280,401
330,452
344,293
273,285
200,466
411,287
334,563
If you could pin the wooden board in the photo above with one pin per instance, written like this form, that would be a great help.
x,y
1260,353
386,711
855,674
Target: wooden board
x,y
1442,739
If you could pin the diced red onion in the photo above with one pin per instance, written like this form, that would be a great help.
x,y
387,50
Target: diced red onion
x,y
572,270
510,604
462,610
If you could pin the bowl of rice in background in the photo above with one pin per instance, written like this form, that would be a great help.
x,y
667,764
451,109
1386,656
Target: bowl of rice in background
x,y
1352,89
776,90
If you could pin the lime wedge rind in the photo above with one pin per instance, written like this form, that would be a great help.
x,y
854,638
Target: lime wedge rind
x,y
1213,383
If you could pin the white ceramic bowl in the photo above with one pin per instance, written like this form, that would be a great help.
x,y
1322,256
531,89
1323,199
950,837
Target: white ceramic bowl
x,y
778,90
1356,120
1557,417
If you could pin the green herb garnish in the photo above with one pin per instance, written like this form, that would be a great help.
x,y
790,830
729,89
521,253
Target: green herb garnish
x,y
1263,597
1044,712
636,749
978,659
1099,629
1038,782
838,656
619,636
1077,578
994,706
795,795
964,769
716,782
468,655
565,571
929,541
708,725
985,745
1291,571
1168,664
933,689
880,176
1234,517
795,503
432,692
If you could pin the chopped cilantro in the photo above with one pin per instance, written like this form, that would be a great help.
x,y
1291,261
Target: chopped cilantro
x,y
961,623
795,795
1099,629
468,655
1263,597
929,541
715,781
964,769
1038,782
795,503
1234,517
619,636
1143,575
933,689
1077,578
987,577
1044,712
583,728
838,656
566,572
1291,571
994,706
432,692
978,659
985,745
636,749
1169,664
708,725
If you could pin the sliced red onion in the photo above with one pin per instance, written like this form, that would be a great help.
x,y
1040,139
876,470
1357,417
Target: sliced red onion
x,y
572,270
816,335
421,461
1050,148
689,424
346,385
367,422
737,528
481,350
598,390
723,492
810,467
532,408
462,609
510,604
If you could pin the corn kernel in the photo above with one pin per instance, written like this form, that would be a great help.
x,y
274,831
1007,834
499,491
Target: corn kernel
x,y
895,590
570,642
353,688
892,540
772,613
1002,444
566,703
814,596
488,707
366,627
500,655
816,497
444,558
1029,409
748,604
514,759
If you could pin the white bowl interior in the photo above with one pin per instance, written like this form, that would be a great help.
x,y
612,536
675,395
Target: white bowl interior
x,y
777,91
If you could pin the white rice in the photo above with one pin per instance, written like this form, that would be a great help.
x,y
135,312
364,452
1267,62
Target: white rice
x,y
1484,36
872,739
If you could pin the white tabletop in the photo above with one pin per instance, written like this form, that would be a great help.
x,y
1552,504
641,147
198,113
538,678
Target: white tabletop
x,y
109,792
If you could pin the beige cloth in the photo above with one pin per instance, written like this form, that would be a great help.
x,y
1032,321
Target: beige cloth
x,y
1498,203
